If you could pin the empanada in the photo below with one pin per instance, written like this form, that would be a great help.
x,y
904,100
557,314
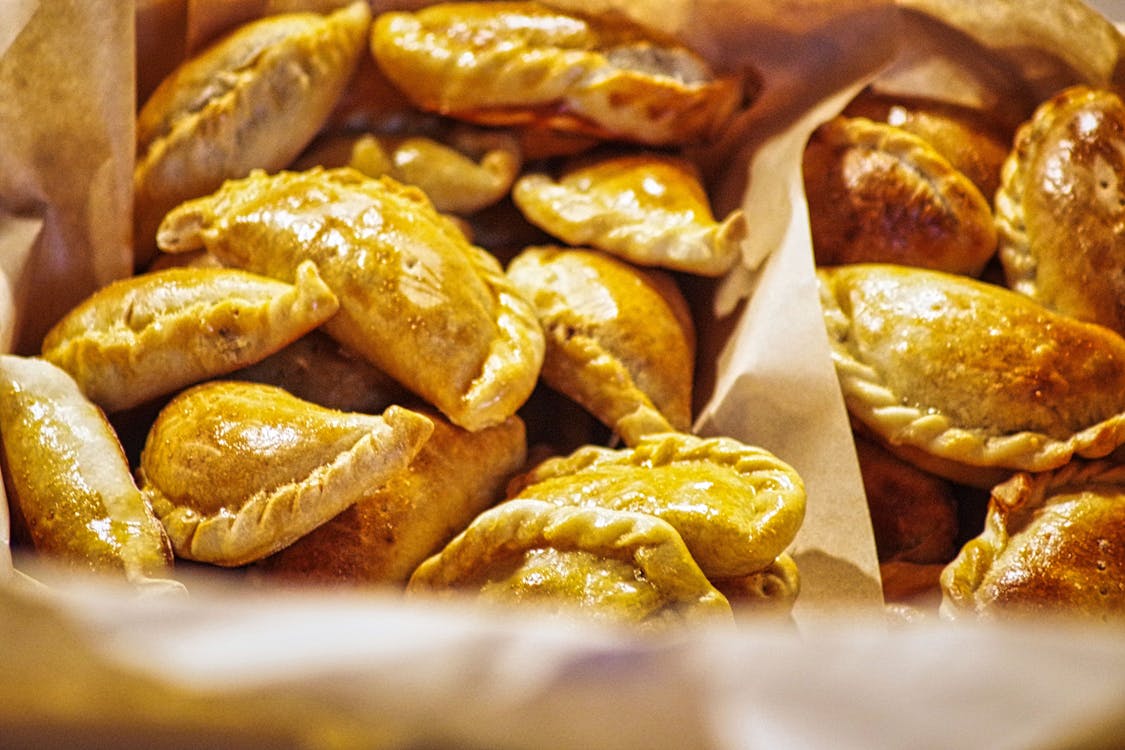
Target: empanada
x,y
236,471
608,565
149,335
769,593
649,209
524,63
1061,207
253,99
969,380
416,298
620,341
736,506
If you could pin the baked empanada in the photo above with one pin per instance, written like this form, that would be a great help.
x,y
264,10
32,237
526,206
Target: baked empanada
x,y
736,506
646,208
878,193
769,593
1061,208
969,380
524,63
424,305
253,99
236,471
149,335
1053,545
69,482
608,565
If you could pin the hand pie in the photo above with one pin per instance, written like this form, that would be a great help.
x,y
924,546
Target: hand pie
x,y
523,63
235,471
253,99
877,193
969,380
769,593
620,341
648,209
149,335
425,306
1061,208
1053,545
608,565
381,539
737,507
69,481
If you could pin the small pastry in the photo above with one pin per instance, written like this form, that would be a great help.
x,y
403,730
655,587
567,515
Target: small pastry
x,y
969,380
769,593
737,507
236,471
253,99
425,306
1061,208
878,193
611,566
620,341
150,335
648,209
526,64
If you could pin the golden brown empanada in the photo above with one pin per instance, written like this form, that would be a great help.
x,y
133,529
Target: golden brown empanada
x,y
416,298
969,380
386,535
236,471
608,565
620,341
878,193
1053,545
769,593
1061,207
524,63
646,208
253,99
69,482
736,506
150,335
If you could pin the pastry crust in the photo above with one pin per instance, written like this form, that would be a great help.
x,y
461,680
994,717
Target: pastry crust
x,y
620,341
523,63
1060,209
969,377
150,335
424,305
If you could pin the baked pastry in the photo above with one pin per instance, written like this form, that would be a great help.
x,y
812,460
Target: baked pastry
x,y
425,306
620,341
611,566
736,506
68,480
877,193
970,380
384,536
526,64
253,99
149,335
649,209
236,471
769,593
1060,209
1053,545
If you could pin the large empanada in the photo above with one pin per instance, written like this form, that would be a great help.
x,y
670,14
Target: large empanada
x,y
736,506
236,471
1061,207
620,341
252,100
969,380
149,335
608,565
524,63
416,298
646,208
1053,545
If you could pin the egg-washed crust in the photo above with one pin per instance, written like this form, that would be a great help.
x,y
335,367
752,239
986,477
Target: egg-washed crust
x,y
970,377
